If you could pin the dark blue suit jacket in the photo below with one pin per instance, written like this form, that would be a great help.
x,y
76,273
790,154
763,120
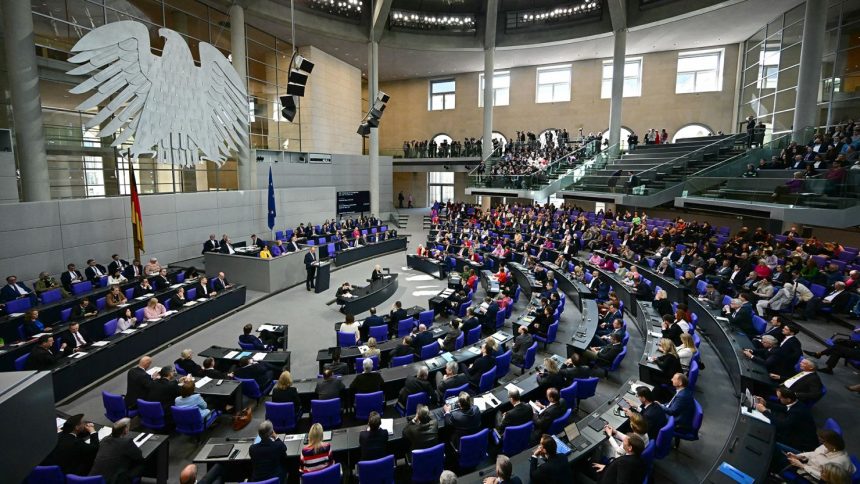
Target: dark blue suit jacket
x,y
8,293
682,407
268,460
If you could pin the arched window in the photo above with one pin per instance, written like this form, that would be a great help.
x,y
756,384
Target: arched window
x,y
542,136
439,138
692,131
622,140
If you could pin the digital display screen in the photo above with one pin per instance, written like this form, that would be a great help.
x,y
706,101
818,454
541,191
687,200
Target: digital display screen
x,y
353,202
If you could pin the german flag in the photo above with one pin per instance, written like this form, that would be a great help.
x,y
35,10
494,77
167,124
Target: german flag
x,y
136,216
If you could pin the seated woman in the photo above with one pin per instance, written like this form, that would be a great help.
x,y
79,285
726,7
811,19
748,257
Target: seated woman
x,y
350,326
377,273
345,290
115,298
372,350
549,377
116,278
285,392
126,320
265,253
154,309
687,351
614,447
669,364
189,398
831,452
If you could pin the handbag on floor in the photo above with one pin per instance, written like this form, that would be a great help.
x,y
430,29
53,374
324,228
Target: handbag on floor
x,y
242,419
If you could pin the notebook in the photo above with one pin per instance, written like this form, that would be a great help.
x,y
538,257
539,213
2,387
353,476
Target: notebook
x,y
219,451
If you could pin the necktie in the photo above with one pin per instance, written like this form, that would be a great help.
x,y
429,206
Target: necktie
x,y
97,271
79,339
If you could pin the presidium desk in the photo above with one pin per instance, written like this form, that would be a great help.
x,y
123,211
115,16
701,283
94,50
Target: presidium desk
x,y
284,271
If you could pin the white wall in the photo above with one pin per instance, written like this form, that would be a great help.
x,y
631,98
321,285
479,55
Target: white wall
x,y
39,236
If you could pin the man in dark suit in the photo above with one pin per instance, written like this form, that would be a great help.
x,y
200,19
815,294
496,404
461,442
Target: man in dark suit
x,y
368,381
403,348
291,245
417,383
806,384
250,370
604,355
256,241
138,382
210,371
774,328
546,466
488,319
165,389
451,379
483,364
653,412
767,355
329,387
161,281
554,409
268,456
740,316
94,271
71,276
519,414
396,314
836,300
629,467
14,290
248,338
117,264
421,339
221,283
470,322
133,271
682,406
794,424
523,341
43,357
311,263
76,448
211,245
371,321
450,342
226,246
119,459
465,419
74,338
145,287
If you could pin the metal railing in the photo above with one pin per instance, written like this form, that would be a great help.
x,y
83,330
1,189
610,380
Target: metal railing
x,y
777,187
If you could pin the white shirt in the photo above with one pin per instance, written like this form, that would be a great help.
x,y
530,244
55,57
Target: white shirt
x,y
97,271
791,381
74,275
20,289
832,296
79,339
786,339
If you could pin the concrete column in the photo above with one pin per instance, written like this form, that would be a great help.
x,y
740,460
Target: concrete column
x,y
26,101
237,52
809,76
373,150
618,59
487,144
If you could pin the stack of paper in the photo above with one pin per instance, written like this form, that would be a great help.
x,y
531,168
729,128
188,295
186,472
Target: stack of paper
x,y
754,414
511,386
60,422
15,315
231,355
128,331
100,343
258,356
474,349
139,326
199,383
267,327
104,432
190,303
388,424
78,354
141,439
535,407
153,370
479,402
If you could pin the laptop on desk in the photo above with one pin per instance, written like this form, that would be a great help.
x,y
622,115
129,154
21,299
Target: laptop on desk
x,y
574,438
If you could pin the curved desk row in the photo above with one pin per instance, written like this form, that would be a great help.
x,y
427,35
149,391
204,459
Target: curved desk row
x,y
364,252
370,296
670,285
427,265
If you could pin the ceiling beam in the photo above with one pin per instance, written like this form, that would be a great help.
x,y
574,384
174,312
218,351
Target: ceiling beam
x,y
381,10
618,14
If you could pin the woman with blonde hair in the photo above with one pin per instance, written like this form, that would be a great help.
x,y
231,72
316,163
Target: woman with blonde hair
x,y
285,392
372,350
615,447
687,350
153,309
669,364
549,377
316,455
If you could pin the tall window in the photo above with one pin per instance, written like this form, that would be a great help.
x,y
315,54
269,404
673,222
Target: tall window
x,y
442,95
699,71
441,184
553,84
501,89
692,131
632,78
768,65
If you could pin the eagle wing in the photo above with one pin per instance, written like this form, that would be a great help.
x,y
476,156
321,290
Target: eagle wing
x,y
226,118
119,54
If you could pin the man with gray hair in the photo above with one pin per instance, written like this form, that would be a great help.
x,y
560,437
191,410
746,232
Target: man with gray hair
x,y
421,339
269,455
766,355
417,384
368,381
519,413
451,379
448,477
504,472
119,459
806,384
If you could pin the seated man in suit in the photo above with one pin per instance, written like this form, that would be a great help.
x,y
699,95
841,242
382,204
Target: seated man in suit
x,y
422,338
836,300
740,315
766,355
519,414
711,297
450,342
134,270
14,290
396,314
249,369
226,246
371,321
119,459
71,276
450,379
211,245
165,389
188,365
248,338
84,309
161,282
138,382
291,245
417,383
43,357
806,384
75,338
522,342
146,288
483,364
682,406
554,409
403,348
256,241
46,282
488,319
546,465
76,447
603,356
210,371
630,467
94,271
653,412
268,456
220,283
795,426
617,329
471,321
203,289
117,264
329,386
463,420
336,366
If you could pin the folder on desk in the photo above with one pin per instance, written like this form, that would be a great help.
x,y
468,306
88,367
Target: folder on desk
x,y
219,451
388,424
199,383
231,355
259,356
735,474
244,354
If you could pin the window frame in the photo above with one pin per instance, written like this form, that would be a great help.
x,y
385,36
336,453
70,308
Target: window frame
x,y
443,95
554,68
720,71
627,60
496,74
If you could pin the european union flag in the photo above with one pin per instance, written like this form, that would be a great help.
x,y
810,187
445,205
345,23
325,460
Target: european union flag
x,y
271,201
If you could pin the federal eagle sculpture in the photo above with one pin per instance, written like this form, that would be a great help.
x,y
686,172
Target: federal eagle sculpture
x,y
170,108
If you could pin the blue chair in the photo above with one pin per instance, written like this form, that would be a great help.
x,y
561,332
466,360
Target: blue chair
x,y
428,464
53,295
693,433
648,459
461,311
151,415
191,294
473,449
831,424
74,479
179,370
18,305
559,423
701,286
693,375
551,334
616,363
474,335
380,333
65,314
402,360
568,394
139,314
516,438
759,324
487,381
412,402
379,471
345,340
282,415
100,303
251,389
429,351
22,335
404,327
110,327
529,360
248,346
129,293
359,363
460,341
369,402
503,364
46,475
329,475
79,288
453,392
21,362
426,318
500,319
664,439
115,408
189,421
326,413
